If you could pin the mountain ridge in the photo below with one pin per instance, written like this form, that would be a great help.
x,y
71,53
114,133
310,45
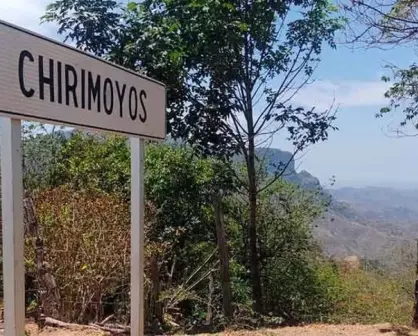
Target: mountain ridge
x,y
378,223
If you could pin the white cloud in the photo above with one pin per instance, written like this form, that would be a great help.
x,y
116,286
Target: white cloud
x,y
27,14
344,93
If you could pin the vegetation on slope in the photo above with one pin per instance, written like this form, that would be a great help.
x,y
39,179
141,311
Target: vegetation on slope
x,y
85,223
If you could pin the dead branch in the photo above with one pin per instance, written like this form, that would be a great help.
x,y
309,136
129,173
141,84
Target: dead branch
x,y
51,322
114,329
107,319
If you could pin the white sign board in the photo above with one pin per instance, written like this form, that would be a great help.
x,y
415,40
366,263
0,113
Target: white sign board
x,y
48,81
44,80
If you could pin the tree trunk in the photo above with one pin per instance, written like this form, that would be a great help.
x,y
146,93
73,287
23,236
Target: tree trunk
x,y
252,228
223,257
156,305
252,187
209,313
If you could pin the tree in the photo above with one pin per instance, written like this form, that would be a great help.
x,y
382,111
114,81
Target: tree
x,y
385,24
40,153
288,250
381,23
95,162
260,45
183,184
229,94
193,210
112,31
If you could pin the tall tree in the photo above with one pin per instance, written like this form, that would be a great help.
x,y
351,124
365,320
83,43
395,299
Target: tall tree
x,y
232,67
245,61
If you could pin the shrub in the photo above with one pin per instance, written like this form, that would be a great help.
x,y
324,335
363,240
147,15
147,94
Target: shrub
x,y
87,244
369,297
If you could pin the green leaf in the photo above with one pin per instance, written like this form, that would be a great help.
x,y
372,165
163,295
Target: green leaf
x,y
228,5
174,55
132,6
243,26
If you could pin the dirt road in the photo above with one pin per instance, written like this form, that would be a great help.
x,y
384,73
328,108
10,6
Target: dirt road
x,y
331,330
311,330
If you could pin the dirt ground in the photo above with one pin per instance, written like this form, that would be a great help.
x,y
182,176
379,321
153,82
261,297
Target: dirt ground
x,y
332,330
311,330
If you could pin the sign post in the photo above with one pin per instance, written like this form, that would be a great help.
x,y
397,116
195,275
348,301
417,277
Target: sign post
x,y
13,232
137,236
47,81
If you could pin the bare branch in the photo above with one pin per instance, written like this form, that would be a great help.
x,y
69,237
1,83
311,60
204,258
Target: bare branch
x,y
278,175
285,83
382,23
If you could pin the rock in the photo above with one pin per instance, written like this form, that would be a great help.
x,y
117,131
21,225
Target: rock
x,y
351,263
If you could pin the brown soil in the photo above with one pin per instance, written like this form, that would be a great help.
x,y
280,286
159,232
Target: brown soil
x,y
32,330
311,330
331,330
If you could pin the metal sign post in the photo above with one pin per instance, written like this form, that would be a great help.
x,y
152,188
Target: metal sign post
x,y
41,79
137,236
12,221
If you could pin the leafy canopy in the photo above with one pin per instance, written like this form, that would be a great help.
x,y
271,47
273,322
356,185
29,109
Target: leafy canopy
x,y
217,57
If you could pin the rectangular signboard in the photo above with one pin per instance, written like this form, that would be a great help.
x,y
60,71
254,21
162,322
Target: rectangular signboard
x,y
41,79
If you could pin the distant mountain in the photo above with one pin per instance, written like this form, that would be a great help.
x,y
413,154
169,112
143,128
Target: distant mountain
x,y
276,160
382,204
374,223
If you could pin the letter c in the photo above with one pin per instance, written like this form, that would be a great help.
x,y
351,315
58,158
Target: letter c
x,y
25,54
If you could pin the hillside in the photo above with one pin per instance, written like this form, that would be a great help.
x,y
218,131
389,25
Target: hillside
x,y
372,222
369,222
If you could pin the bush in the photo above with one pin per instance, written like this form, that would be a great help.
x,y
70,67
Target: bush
x,y
296,279
370,297
87,243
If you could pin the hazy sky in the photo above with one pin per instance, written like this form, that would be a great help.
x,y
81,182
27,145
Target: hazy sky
x,y
361,152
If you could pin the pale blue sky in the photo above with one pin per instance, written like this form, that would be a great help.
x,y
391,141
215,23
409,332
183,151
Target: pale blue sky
x,y
360,153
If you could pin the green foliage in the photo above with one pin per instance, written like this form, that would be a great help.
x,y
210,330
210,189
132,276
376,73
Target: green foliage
x,y
81,26
295,280
402,95
97,163
178,182
250,54
299,289
82,187
373,297
40,159
240,284
267,49
177,42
